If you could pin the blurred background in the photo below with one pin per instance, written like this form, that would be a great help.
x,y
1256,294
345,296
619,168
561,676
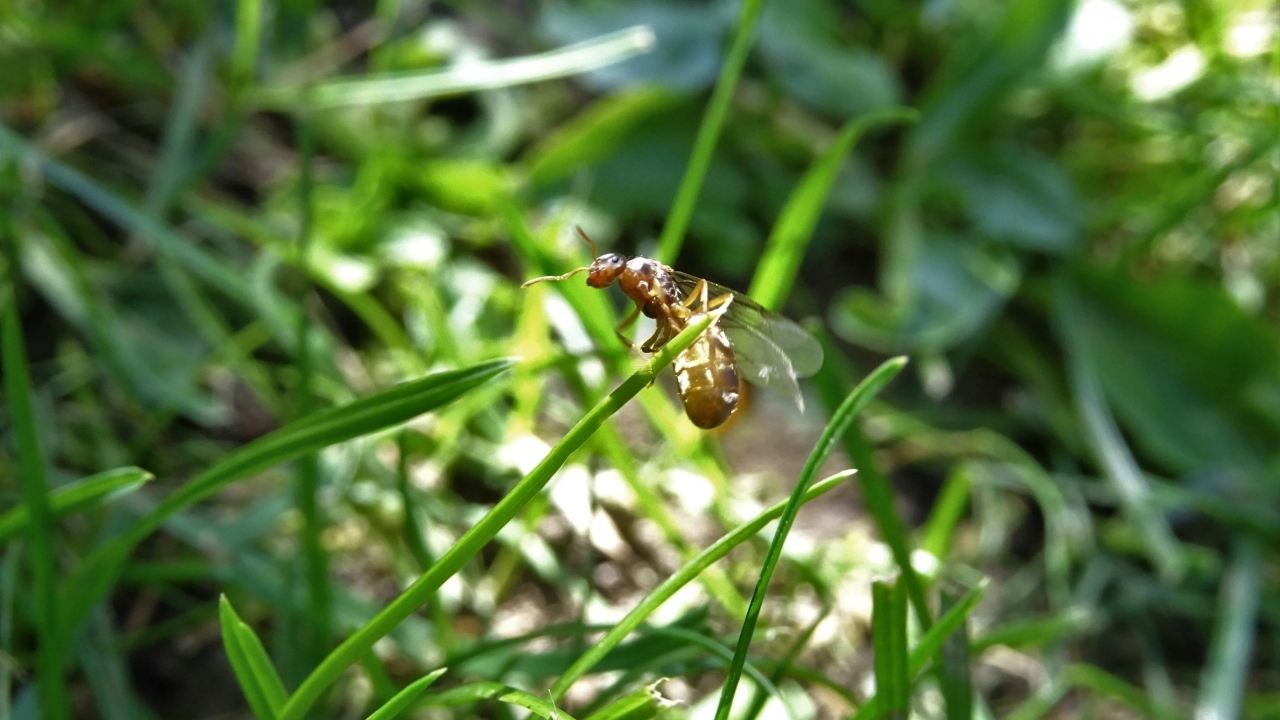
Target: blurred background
x,y
1077,243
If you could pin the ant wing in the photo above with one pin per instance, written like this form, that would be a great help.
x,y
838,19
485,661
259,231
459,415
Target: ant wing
x,y
769,348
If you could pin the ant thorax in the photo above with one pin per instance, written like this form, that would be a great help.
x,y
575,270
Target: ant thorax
x,y
649,283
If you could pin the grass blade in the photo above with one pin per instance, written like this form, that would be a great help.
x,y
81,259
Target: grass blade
x,y
704,146
790,236
477,691
931,644
638,705
405,697
889,640
245,54
685,575
1103,434
487,528
35,496
77,495
257,678
840,422
480,75
1222,688
408,400
947,511
957,687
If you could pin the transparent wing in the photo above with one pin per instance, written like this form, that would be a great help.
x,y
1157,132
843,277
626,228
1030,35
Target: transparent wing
x,y
770,349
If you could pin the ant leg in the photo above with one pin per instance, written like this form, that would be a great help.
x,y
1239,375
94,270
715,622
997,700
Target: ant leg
x,y
699,291
717,302
627,322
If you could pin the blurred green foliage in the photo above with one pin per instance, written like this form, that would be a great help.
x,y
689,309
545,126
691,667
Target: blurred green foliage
x,y
247,245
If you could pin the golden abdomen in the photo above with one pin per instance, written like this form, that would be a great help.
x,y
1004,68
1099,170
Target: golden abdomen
x,y
707,377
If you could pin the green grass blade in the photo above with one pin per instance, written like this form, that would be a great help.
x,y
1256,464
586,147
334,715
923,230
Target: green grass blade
x,y
841,420
1222,687
1108,444
487,528
889,641
77,495
1036,632
397,704
704,146
244,56
830,382
954,680
481,75
637,705
9,569
790,236
1105,684
35,495
947,511
477,691
377,412
685,575
256,687
931,643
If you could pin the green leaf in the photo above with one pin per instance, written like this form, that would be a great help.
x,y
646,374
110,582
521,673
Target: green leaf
x,y
1034,632
638,705
889,643
841,420
488,527
78,495
54,702
464,78
790,236
257,676
477,691
362,417
398,704
947,511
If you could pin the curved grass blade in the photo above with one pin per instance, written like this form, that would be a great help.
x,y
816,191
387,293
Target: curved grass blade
x,y
641,704
840,421
403,402
35,497
405,697
488,527
1222,689
790,235
685,575
77,495
469,77
257,676
704,146
485,690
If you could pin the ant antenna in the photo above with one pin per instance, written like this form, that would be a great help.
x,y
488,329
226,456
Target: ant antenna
x,y
595,251
554,278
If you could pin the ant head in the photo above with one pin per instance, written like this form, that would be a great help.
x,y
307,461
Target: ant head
x,y
605,269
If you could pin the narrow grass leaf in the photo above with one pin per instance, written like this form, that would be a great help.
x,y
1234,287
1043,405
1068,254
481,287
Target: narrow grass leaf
x,y
831,381
667,588
377,412
704,145
477,691
1107,685
464,77
785,248
1034,632
1108,444
488,527
841,420
398,704
54,703
889,643
953,679
76,496
1222,687
257,688
930,645
638,705
244,56
947,511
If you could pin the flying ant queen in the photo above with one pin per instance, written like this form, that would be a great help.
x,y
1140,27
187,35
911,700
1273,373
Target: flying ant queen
x,y
748,342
